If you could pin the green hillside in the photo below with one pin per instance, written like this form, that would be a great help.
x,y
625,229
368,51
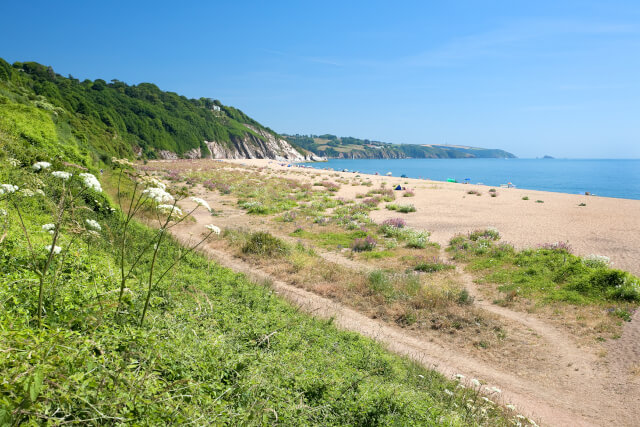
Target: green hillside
x,y
332,146
94,120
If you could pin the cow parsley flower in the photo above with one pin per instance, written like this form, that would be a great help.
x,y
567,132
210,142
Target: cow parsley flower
x,y
49,228
201,202
13,162
93,224
172,209
475,382
8,188
61,174
213,228
91,181
56,249
3,212
460,377
150,181
40,166
158,195
27,192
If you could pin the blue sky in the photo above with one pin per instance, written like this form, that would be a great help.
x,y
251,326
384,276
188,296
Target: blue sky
x,y
534,78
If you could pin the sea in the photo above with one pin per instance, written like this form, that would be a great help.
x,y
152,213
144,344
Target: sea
x,y
601,177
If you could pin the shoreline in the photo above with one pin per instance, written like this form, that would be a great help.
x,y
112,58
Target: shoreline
x,y
307,166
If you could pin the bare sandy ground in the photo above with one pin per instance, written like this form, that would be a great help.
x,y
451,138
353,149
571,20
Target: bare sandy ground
x,y
605,226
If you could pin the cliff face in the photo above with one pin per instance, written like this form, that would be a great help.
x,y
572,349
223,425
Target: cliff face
x,y
252,147
249,146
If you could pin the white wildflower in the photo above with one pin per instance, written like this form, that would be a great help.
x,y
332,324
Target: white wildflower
x,y
522,417
448,392
511,407
460,377
91,181
213,228
40,192
49,228
475,382
8,188
93,224
158,195
56,249
3,212
150,181
494,390
420,376
172,209
201,202
41,165
27,192
13,162
596,261
61,174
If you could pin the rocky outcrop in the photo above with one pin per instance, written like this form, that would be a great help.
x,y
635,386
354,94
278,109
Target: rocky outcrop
x,y
259,144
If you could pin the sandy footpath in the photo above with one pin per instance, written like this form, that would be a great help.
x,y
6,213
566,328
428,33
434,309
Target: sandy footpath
x,y
605,226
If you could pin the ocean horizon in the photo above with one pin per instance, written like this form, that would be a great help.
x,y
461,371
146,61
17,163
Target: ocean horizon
x,y
618,178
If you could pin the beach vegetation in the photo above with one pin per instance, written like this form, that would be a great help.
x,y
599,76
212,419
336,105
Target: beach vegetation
x,y
548,273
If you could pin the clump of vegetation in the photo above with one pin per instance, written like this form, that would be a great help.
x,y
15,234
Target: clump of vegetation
x,y
539,201
549,273
493,190
401,208
409,193
433,266
477,193
394,222
525,198
582,204
264,244
362,245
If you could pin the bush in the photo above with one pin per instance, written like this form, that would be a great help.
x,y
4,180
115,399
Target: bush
x,y
262,243
418,240
394,222
366,244
488,234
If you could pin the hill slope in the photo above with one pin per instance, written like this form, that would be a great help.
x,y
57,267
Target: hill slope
x,y
99,119
353,148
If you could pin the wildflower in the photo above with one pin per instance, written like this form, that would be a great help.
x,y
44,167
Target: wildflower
x,y
213,228
40,192
448,392
494,390
201,202
3,212
41,165
421,376
49,228
121,162
150,181
62,175
460,377
56,249
8,188
475,382
27,193
158,195
93,224
172,209
13,162
511,407
91,181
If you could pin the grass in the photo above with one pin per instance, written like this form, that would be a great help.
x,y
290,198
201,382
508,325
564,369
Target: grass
x,y
548,274
216,349
331,239
401,208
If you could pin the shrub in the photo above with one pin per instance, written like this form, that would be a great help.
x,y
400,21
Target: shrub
x,y
401,208
395,222
409,193
557,247
539,201
371,202
489,234
418,240
492,190
525,198
477,193
361,245
262,243
380,283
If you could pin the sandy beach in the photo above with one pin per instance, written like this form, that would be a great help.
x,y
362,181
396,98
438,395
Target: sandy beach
x,y
605,226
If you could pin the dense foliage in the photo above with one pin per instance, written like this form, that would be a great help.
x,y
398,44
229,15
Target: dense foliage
x,y
348,147
82,119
